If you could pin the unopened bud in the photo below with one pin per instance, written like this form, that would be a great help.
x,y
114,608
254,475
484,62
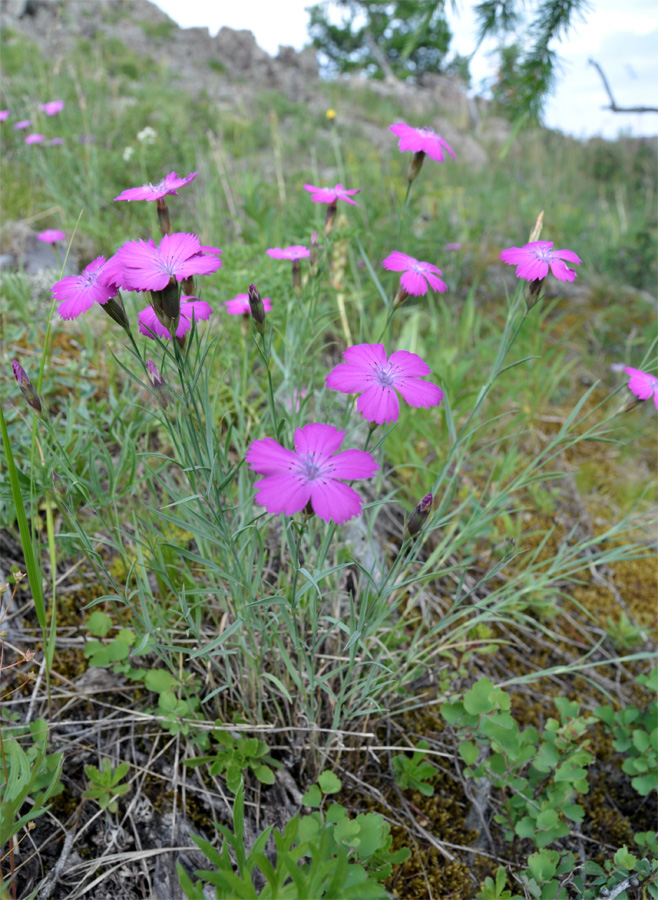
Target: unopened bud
x,y
416,164
257,308
400,297
116,311
315,252
160,389
58,485
26,386
418,517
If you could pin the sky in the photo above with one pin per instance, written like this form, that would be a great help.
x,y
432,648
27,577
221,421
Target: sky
x,y
626,46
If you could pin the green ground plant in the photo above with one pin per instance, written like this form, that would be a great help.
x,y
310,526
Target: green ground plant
x,y
326,854
105,784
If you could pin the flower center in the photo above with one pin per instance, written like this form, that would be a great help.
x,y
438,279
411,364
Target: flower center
x,y
385,375
543,253
308,468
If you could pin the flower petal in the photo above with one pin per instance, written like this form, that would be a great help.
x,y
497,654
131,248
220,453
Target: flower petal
x,y
414,283
283,493
321,440
334,501
268,457
379,404
351,464
419,393
365,355
398,262
409,364
348,379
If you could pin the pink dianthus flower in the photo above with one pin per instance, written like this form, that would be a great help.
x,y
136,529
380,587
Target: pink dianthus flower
x,y
297,251
55,142
367,371
421,140
35,138
144,266
239,305
78,293
168,185
418,276
533,261
310,474
4,114
190,308
51,236
24,123
332,195
52,107
642,384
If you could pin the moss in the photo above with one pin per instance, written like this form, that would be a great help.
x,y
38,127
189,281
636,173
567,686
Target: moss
x,y
158,32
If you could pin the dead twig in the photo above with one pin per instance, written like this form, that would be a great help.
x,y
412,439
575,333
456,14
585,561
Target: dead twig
x,y
613,106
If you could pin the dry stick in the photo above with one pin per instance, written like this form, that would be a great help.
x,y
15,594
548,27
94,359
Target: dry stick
x,y
37,685
613,106
631,881
53,877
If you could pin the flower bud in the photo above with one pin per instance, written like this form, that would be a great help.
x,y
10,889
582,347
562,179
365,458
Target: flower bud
x,y
160,389
115,309
400,297
27,388
58,485
257,308
418,517
315,252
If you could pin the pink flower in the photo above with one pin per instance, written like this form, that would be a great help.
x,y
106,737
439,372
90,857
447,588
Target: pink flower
x,y
421,140
239,305
533,260
418,276
4,114
24,123
310,473
643,384
145,266
35,138
78,293
55,142
190,308
51,236
297,251
452,246
331,195
168,185
367,371
52,107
